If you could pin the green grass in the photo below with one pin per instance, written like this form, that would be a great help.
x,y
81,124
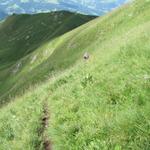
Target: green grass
x,y
20,126
102,103
26,38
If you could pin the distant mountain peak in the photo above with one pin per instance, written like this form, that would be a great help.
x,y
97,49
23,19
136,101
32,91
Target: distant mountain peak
x,y
91,7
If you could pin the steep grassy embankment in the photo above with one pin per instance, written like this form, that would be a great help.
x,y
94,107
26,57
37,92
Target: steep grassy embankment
x,y
25,43
102,103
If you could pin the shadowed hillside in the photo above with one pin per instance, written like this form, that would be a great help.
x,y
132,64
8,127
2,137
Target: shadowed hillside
x,y
21,35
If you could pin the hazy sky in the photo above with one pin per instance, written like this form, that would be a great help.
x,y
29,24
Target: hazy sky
x,y
95,7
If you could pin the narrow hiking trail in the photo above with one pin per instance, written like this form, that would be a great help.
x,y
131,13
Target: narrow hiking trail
x,y
46,143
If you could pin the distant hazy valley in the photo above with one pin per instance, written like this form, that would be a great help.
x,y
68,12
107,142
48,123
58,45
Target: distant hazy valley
x,y
91,7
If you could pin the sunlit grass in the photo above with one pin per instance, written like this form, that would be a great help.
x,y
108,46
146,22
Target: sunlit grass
x,y
102,103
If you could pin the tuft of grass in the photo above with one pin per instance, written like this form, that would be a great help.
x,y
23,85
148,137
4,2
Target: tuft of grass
x,y
20,122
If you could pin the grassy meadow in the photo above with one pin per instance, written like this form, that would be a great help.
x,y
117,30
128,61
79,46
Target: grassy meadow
x,y
99,104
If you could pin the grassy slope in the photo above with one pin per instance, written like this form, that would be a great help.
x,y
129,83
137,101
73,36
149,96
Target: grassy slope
x,y
99,104
22,36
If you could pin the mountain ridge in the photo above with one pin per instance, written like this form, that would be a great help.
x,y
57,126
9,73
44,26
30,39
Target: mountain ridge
x,y
94,104
95,7
23,34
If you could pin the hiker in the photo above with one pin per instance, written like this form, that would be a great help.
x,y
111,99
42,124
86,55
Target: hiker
x,y
86,56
